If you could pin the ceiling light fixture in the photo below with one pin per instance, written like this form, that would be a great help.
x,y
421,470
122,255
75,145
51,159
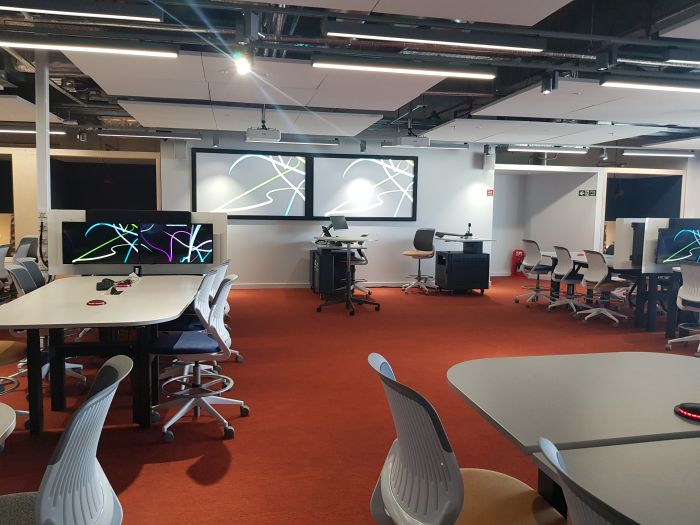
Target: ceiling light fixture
x,y
81,45
680,57
604,154
28,131
404,69
651,85
242,62
544,148
104,11
657,153
142,135
333,142
473,40
432,145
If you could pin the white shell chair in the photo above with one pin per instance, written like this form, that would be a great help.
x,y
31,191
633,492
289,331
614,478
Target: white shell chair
x,y
596,279
532,265
421,482
563,273
689,300
194,347
75,489
583,507
4,277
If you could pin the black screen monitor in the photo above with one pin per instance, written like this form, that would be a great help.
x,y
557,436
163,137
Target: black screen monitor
x,y
100,243
177,243
339,222
676,245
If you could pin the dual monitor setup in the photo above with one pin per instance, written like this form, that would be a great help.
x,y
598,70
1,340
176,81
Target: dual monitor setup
x,y
101,242
678,244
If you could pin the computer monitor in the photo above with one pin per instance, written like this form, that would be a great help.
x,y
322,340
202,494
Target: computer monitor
x,y
339,222
176,243
100,243
676,245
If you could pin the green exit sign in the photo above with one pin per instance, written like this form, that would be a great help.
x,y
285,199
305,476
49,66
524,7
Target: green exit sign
x,y
586,193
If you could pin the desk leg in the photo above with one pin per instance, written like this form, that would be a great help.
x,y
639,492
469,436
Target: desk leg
x,y
652,299
57,367
672,307
641,301
551,492
141,378
155,381
36,407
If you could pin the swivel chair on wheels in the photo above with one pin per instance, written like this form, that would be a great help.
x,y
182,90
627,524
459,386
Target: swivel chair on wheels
x,y
423,249
532,265
689,301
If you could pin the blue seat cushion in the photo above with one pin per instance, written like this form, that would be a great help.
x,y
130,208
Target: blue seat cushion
x,y
184,343
184,323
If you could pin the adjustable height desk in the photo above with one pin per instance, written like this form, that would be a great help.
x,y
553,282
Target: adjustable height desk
x,y
349,299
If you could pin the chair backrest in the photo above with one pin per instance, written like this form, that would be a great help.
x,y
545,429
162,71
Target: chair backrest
x,y
583,507
565,264
34,271
22,279
216,326
420,482
690,289
27,247
74,489
597,270
533,255
4,248
202,305
221,270
423,240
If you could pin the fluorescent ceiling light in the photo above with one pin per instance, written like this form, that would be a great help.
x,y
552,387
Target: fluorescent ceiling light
x,y
29,132
681,57
471,40
139,135
432,145
309,143
242,63
22,8
657,153
653,85
85,46
401,69
534,148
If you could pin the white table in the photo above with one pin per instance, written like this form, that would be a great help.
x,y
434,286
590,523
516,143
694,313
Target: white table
x,y
651,483
8,420
349,243
62,304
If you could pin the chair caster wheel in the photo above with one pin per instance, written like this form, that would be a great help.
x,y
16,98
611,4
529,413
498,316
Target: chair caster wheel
x,y
585,321
239,358
352,312
168,437
229,433
217,369
616,325
245,411
376,308
549,310
369,293
668,347
155,417
517,301
318,309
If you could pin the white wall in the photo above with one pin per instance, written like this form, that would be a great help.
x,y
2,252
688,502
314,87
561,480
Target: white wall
x,y
508,220
691,199
452,191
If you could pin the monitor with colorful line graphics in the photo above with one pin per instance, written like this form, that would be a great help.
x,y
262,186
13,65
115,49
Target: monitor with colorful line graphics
x,y
177,244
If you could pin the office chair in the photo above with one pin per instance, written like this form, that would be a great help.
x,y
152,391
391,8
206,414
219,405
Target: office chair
x,y
195,347
4,276
26,249
11,352
689,300
24,284
8,421
597,279
532,265
360,260
421,482
584,508
75,489
424,249
34,272
563,273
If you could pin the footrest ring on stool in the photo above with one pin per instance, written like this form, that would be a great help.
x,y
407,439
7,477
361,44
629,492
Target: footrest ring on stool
x,y
190,391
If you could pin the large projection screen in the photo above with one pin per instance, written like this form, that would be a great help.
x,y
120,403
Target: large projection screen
x,y
370,188
250,184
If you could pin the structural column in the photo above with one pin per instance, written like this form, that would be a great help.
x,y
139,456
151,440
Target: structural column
x,y
43,144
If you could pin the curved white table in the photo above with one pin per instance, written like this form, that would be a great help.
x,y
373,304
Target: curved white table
x,y
8,420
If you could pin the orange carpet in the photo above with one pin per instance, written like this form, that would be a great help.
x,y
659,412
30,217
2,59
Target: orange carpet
x,y
319,428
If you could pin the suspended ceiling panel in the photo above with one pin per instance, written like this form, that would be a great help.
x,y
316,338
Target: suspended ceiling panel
x,y
496,11
691,30
181,77
691,143
586,100
206,117
509,132
17,109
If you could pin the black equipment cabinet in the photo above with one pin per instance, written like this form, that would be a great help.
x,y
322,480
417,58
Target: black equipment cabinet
x,y
328,269
459,271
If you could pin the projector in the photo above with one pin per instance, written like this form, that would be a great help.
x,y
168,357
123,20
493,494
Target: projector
x,y
412,142
263,135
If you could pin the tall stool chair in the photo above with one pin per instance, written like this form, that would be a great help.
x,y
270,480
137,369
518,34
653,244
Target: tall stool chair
x,y
597,280
532,265
423,249
563,273
689,301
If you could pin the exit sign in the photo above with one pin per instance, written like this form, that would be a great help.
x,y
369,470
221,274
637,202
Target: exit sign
x,y
489,192
587,193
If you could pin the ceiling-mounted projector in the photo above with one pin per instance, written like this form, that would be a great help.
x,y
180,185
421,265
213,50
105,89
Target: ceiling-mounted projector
x,y
263,135
411,141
